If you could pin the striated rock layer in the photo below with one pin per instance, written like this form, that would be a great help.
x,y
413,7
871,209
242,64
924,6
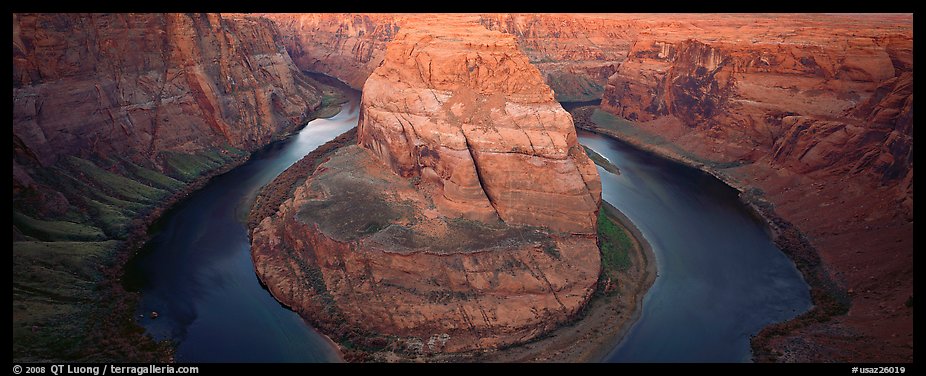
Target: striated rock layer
x,y
134,86
115,117
466,112
815,109
575,53
812,100
120,83
813,115
346,46
464,219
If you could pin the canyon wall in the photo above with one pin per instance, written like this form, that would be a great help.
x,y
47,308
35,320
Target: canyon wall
x,y
113,116
820,94
575,53
813,117
143,89
127,84
346,46
463,220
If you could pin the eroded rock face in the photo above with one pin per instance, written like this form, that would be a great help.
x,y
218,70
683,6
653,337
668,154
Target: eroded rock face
x,y
346,46
126,84
575,53
361,252
806,98
464,217
816,115
465,111
132,86
116,117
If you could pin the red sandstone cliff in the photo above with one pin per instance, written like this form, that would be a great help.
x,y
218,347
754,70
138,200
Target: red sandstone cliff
x,y
476,119
135,86
815,115
114,115
819,108
426,237
816,109
346,46
808,102
145,83
575,53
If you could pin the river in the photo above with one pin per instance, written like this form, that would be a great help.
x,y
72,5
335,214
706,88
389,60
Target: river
x,y
720,277
196,271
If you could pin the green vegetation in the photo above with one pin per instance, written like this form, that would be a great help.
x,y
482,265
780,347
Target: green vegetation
x,y
52,284
68,301
55,230
332,90
34,259
61,308
65,295
115,184
615,245
235,151
78,191
331,100
326,112
332,97
607,120
187,167
153,178
109,218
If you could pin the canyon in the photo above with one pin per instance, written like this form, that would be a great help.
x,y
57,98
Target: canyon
x,y
117,116
114,117
466,175
818,118
811,113
575,53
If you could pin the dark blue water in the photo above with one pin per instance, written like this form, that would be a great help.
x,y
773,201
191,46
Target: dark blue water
x,y
197,273
720,277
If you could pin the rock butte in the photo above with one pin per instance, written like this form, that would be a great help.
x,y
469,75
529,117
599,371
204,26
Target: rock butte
x,y
428,232
464,109
816,110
